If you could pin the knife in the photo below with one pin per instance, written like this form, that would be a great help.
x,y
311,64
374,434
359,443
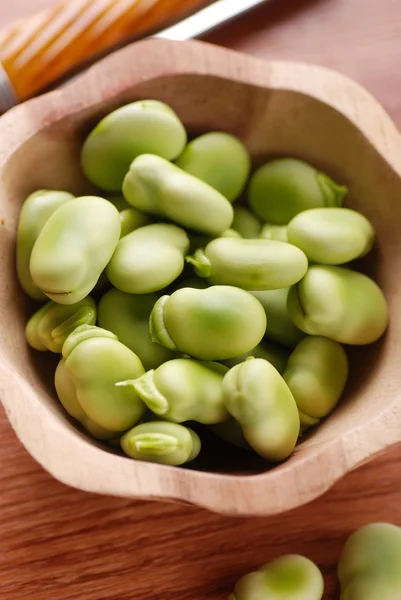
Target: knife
x,y
41,50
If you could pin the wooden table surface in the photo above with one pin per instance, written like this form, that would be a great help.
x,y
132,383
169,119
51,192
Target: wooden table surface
x,y
58,543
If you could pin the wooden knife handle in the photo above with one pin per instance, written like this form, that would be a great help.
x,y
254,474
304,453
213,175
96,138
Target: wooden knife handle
x,y
44,48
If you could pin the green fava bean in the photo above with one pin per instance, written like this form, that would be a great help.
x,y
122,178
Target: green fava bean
x,y
369,565
35,211
148,259
67,394
250,264
284,187
289,577
161,442
280,327
130,218
273,353
246,223
340,304
138,128
74,247
217,323
50,326
230,431
331,236
159,187
127,316
316,374
219,159
97,362
184,390
274,232
258,398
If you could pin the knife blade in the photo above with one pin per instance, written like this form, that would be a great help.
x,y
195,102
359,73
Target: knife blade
x,y
209,18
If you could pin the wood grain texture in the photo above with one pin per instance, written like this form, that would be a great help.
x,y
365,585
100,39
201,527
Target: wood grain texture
x,y
58,542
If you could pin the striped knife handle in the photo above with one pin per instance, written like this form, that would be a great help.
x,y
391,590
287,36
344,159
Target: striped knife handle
x,y
40,50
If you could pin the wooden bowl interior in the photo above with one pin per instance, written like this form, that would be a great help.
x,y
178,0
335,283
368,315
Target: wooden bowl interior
x,y
271,123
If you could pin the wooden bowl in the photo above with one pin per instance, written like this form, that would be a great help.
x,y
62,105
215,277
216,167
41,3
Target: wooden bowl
x,y
276,109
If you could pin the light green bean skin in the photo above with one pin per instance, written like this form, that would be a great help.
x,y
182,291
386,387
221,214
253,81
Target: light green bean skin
x,y
284,187
280,327
35,211
246,223
289,577
274,232
50,326
143,127
127,316
96,362
230,432
184,390
369,565
74,247
148,259
316,374
258,398
331,236
217,323
156,186
219,159
340,304
161,442
273,353
130,218
66,392
250,264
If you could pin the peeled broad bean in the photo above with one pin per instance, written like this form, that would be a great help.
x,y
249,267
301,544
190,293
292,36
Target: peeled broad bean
x,y
258,398
274,232
50,326
161,442
280,327
184,390
340,304
159,187
95,363
284,187
217,323
127,316
331,236
73,248
289,577
316,374
35,211
273,353
250,264
143,127
369,565
130,218
219,159
246,223
148,259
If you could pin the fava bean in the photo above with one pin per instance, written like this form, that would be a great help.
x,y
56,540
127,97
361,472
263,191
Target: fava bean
x,y
143,127
340,304
250,264
159,187
217,323
219,159
284,187
148,259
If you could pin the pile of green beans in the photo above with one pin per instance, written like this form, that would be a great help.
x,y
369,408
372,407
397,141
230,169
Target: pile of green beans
x,y
195,290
